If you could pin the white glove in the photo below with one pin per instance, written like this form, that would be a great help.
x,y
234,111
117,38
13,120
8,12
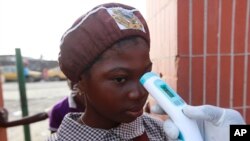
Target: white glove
x,y
213,122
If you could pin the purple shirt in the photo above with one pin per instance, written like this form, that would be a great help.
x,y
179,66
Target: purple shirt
x,y
59,111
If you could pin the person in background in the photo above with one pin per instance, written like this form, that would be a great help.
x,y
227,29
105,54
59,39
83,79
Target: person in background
x,y
45,74
105,52
26,69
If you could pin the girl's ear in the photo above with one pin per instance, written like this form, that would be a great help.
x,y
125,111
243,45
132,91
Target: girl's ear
x,y
82,84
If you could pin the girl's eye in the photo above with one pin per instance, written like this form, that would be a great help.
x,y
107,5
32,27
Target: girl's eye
x,y
120,80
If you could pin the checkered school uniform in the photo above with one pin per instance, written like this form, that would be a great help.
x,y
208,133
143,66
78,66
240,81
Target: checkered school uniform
x,y
71,130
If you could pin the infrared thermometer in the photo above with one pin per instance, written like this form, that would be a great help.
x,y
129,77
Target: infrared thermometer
x,y
172,104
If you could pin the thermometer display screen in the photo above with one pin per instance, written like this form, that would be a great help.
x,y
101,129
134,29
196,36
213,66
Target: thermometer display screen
x,y
166,90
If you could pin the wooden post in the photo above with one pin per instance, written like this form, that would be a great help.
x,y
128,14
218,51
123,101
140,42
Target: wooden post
x,y
3,132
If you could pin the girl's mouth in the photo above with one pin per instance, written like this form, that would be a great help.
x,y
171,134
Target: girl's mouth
x,y
135,112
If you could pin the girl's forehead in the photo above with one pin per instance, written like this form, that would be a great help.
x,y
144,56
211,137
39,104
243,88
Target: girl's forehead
x,y
127,47
130,54
127,58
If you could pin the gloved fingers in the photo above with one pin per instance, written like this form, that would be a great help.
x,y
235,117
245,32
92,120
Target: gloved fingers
x,y
156,109
232,117
171,129
208,113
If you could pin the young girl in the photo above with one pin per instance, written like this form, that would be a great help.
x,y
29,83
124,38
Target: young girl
x,y
106,51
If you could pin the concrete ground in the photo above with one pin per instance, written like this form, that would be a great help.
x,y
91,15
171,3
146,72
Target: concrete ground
x,y
40,95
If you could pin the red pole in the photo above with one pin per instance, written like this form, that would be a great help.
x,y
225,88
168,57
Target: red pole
x,y
3,133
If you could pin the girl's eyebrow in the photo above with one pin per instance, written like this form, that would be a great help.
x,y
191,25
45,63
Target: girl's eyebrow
x,y
119,69
128,70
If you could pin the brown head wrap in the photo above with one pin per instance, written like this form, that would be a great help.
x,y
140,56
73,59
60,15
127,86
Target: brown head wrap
x,y
95,32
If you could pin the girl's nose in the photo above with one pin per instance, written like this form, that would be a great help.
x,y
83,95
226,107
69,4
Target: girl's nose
x,y
137,92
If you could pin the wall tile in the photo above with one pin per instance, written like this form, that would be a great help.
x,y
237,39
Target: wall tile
x,y
197,26
225,81
226,26
212,26
248,43
183,78
197,81
240,26
211,80
238,81
248,82
248,116
182,27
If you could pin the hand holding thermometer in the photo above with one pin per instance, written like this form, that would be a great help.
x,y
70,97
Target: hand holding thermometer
x,y
172,104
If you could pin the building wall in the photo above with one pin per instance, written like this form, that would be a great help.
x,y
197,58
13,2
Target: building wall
x,y
162,21
210,63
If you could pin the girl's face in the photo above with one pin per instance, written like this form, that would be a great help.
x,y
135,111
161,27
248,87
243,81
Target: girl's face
x,y
112,88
